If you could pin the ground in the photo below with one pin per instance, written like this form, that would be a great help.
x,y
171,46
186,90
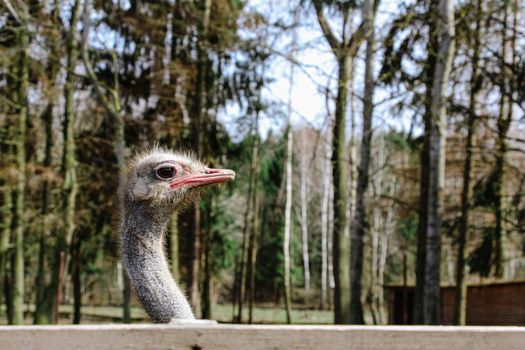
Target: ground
x,y
221,313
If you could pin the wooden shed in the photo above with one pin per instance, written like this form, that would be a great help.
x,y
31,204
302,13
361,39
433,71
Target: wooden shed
x,y
493,304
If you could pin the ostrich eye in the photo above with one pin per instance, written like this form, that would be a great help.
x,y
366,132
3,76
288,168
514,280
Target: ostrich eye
x,y
166,172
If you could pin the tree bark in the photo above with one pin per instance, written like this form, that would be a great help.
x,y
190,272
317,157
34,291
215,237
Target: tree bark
x,y
69,187
198,122
5,233
206,280
428,305
345,51
18,219
113,108
174,247
341,249
360,224
304,218
324,222
503,124
460,314
288,225
77,278
255,228
243,267
44,303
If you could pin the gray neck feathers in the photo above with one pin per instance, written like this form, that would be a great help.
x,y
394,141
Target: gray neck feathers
x,y
143,257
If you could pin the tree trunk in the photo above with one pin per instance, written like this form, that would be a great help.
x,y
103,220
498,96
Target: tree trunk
x,y
360,224
198,123
18,219
433,166
304,218
326,174
503,125
243,261
466,195
113,108
119,148
5,233
345,50
341,249
252,249
288,166
288,225
383,244
206,281
44,305
243,264
330,243
174,247
77,279
255,228
69,187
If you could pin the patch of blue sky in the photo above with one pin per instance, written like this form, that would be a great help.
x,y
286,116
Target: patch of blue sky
x,y
316,71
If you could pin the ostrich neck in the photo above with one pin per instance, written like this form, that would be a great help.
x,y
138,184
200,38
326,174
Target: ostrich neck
x,y
143,234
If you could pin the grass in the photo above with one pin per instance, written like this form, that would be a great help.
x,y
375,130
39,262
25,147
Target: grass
x,y
221,312
272,315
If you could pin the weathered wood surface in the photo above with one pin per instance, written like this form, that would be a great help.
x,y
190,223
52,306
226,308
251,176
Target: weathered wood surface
x,y
238,337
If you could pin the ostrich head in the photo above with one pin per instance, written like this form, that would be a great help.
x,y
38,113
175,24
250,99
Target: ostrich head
x,y
156,184
167,181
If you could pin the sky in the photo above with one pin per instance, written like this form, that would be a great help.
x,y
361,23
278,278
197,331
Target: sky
x,y
317,70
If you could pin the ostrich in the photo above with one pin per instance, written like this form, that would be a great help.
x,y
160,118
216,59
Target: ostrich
x,y
156,184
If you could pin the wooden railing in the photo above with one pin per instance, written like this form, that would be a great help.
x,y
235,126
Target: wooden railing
x,y
240,337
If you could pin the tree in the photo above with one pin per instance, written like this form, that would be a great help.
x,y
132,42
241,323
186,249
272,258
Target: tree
x,y
345,51
324,221
288,225
466,194
304,189
360,224
506,83
112,106
69,164
19,195
44,303
255,216
440,52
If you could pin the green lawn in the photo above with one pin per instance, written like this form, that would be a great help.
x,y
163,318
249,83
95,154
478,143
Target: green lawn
x,y
221,313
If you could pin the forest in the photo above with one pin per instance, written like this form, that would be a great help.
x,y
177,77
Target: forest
x,y
376,143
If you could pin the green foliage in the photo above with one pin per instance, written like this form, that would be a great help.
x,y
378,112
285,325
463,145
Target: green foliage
x,y
407,227
270,254
223,246
480,260
484,191
398,141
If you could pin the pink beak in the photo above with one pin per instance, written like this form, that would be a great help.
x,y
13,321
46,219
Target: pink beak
x,y
207,177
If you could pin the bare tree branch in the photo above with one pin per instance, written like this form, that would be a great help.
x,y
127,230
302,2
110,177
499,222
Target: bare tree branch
x,y
325,27
110,109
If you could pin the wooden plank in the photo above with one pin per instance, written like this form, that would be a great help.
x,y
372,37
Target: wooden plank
x,y
238,337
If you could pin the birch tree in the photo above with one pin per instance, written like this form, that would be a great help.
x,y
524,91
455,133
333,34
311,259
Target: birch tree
x,y
288,223
303,178
324,222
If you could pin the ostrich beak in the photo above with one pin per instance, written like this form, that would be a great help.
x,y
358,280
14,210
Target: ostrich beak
x,y
207,177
